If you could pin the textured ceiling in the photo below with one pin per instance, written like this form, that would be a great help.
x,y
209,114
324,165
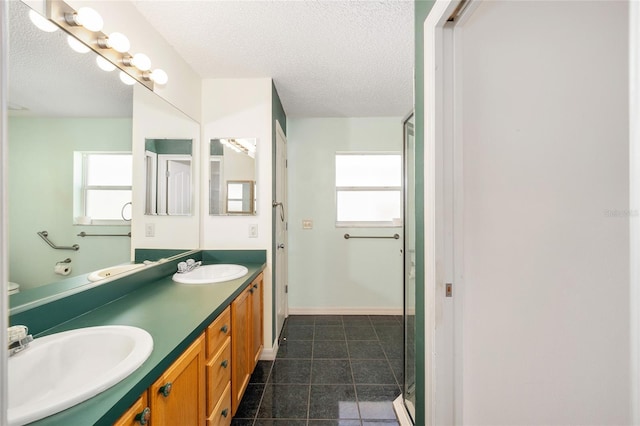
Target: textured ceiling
x,y
340,58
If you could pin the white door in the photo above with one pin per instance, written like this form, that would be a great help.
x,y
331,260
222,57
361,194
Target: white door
x,y
280,217
178,187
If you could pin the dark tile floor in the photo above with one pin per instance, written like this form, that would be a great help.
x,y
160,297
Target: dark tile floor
x,y
330,370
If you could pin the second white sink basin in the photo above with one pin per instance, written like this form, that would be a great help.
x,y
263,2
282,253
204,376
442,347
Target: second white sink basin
x,y
209,274
58,371
101,274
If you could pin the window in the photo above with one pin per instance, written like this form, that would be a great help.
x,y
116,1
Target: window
x,y
368,189
104,187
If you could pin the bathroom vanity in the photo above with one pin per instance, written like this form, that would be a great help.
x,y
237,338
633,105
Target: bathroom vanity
x,y
207,340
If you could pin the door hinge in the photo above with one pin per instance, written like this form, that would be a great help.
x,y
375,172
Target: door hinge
x,y
286,289
286,163
448,290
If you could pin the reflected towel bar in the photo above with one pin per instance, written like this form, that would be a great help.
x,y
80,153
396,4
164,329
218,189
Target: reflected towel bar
x,y
84,234
45,234
347,236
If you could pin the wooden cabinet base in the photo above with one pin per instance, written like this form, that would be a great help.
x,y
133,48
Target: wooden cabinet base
x,y
178,396
221,415
136,415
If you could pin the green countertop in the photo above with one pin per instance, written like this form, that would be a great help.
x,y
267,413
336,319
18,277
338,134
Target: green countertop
x,y
174,314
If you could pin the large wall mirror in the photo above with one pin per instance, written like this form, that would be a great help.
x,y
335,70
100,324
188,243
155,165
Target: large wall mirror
x,y
70,132
232,176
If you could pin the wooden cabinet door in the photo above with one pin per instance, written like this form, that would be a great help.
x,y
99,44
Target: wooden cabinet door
x,y
256,320
138,414
178,396
240,347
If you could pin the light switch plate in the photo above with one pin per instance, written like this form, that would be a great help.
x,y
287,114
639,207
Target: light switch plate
x,y
307,224
150,230
253,230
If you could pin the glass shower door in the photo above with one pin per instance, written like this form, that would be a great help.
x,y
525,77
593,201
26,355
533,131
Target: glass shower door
x,y
409,386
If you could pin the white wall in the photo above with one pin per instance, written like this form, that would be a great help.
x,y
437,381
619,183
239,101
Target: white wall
x,y
326,272
545,222
153,118
240,108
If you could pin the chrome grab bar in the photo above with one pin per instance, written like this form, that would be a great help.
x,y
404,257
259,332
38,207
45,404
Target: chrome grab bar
x,y
84,234
394,236
44,235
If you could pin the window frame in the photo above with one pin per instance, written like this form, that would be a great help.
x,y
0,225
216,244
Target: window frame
x,y
84,188
368,224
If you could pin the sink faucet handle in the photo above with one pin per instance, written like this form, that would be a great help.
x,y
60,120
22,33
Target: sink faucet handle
x,y
182,267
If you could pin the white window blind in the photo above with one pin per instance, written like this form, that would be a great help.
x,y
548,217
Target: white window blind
x,y
368,189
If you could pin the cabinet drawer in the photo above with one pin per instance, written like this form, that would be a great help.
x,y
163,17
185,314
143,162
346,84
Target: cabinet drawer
x,y
219,330
221,415
218,375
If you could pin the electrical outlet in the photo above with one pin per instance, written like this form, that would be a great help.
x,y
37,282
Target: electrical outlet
x,y
150,230
253,230
307,224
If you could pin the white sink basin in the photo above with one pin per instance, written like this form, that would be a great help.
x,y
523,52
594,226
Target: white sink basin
x,y
113,270
58,371
209,274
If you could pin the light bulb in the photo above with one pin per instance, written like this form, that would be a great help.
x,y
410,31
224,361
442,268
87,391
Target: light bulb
x,y
41,22
119,42
159,76
76,45
127,79
141,61
89,18
104,64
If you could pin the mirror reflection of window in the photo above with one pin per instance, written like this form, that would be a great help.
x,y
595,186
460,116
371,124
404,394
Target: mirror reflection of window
x,y
240,197
232,176
105,180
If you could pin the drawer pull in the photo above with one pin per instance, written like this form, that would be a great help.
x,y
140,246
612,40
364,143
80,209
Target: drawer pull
x,y
250,290
225,412
224,363
255,286
165,390
144,416
224,328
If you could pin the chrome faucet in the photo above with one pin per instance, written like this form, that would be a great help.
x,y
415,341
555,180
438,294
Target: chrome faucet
x,y
19,338
188,266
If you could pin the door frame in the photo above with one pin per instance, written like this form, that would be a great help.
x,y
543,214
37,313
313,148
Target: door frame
x,y
280,274
443,207
634,206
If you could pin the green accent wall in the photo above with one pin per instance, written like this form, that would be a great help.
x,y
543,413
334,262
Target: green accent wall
x,y
422,9
169,146
277,113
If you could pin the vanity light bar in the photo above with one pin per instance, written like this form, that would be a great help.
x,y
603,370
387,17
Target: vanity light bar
x,y
60,12
240,145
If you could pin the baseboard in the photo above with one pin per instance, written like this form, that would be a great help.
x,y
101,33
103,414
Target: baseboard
x,y
269,354
345,311
401,412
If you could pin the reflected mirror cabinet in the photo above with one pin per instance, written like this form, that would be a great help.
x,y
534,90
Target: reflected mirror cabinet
x,y
232,176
